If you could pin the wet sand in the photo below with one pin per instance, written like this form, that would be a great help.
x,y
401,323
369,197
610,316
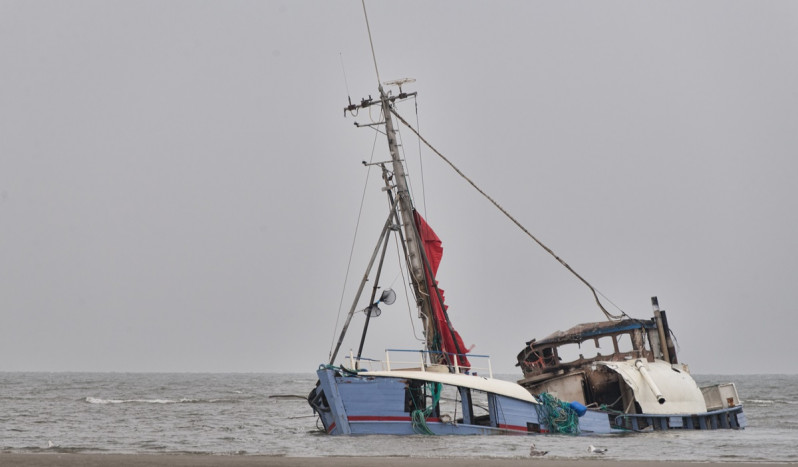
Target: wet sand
x,y
190,460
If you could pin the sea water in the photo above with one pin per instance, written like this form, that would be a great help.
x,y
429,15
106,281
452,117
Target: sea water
x,y
245,414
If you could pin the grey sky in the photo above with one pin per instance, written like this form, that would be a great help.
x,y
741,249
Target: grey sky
x,y
179,187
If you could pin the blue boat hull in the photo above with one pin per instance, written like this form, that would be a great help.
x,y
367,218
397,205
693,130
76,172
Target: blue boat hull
x,y
730,418
362,404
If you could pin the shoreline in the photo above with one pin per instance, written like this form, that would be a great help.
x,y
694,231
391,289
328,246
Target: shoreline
x,y
202,460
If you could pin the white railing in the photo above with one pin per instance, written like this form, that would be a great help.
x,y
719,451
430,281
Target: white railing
x,y
422,362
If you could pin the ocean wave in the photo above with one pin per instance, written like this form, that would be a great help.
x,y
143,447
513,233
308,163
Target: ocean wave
x,y
759,401
55,449
769,402
185,413
97,400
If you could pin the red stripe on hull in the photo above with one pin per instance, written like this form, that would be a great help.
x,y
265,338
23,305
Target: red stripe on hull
x,y
514,427
378,418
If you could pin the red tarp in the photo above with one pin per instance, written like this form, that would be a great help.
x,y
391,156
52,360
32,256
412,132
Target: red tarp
x,y
434,250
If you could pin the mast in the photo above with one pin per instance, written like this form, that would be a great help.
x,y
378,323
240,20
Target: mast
x,y
404,203
402,207
428,296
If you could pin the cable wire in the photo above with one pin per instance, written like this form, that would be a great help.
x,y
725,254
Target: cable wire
x,y
352,249
421,165
609,315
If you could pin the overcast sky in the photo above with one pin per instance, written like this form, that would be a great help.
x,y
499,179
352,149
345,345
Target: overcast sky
x,y
179,188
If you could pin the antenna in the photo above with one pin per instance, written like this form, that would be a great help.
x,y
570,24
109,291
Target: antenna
x,y
346,82
373,54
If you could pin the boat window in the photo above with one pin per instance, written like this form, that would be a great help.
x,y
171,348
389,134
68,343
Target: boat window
x,y
568,352
415,396
549,359
605,346
594,347
479,402
624,343
450,402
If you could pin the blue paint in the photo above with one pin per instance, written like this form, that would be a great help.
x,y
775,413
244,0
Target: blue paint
x,y
362,404
731,418
334,399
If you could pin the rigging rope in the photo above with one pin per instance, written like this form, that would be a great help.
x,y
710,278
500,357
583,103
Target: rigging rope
x,y
401,147
421,166
404,283
352,249
609,315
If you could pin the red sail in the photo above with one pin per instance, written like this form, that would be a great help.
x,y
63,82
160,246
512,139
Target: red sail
x,y
451,342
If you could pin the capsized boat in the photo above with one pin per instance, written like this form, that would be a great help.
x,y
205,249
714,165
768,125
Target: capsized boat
x,y
632,381
628,367
638,385
437,389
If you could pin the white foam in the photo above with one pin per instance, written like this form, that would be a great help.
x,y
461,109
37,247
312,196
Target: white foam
x,y
96,400
760,401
